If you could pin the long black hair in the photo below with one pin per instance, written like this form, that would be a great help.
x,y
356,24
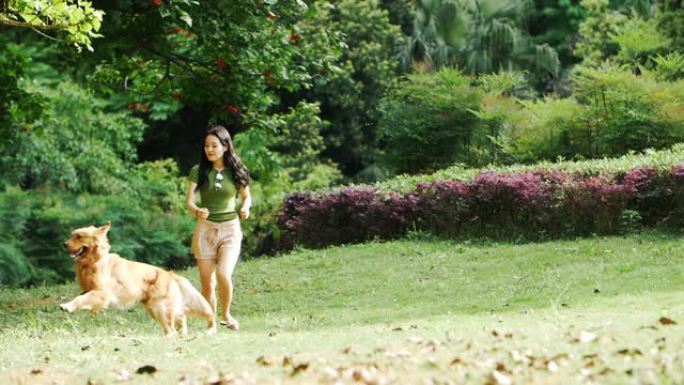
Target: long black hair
x,y
230,158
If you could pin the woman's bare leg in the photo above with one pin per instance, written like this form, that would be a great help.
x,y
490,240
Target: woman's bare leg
x,y
228,257
206,269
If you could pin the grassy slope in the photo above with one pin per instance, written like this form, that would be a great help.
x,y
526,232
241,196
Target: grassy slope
x,y
407,310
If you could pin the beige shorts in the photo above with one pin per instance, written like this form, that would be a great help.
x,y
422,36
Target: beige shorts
x,y
213,240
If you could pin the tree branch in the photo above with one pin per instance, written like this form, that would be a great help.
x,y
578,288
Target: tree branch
x,y
22,24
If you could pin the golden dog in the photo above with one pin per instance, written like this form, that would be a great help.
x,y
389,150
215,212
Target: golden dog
x,y
109,280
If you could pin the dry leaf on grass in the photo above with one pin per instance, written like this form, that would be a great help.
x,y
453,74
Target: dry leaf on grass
x,y
146,369
498,378
666,321
299,368
261,360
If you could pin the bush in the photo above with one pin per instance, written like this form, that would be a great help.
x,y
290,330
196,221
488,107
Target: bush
x,y
529,205
626,112
15,270
546,129
428,122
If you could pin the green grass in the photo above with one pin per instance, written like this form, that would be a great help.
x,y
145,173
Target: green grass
x,y
407,311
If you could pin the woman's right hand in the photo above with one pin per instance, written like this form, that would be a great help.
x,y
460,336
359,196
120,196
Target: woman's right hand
x,y
202,213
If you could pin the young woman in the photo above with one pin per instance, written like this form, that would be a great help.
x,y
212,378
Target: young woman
x,y
216,241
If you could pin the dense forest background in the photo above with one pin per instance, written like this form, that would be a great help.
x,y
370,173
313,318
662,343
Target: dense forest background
x,y
103,104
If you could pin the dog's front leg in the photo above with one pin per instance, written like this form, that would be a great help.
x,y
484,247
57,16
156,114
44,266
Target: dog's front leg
x,y
93,300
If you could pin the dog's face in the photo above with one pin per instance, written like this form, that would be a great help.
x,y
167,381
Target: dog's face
x,y
85,240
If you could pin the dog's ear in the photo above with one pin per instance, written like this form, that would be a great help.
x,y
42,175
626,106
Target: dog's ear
x,y
104,229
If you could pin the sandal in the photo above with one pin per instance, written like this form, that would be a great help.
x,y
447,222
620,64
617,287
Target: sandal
x,y
231,323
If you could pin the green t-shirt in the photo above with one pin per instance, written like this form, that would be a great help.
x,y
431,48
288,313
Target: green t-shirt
x,y
219,201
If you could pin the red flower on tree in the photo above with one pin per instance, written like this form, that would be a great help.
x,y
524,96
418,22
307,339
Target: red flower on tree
x,y
232,109
220,64
156,2
294,38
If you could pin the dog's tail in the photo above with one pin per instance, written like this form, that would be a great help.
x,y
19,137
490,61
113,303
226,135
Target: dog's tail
x,y
194,302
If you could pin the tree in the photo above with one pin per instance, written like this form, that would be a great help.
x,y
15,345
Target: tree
x,y
556,23
367,68
480,36
77,18
606,20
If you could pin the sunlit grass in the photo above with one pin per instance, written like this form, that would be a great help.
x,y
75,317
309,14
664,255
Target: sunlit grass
x,y
379,303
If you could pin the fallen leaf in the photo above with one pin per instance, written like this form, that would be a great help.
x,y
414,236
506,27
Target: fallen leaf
x,y
629,352
261,360
300,368
147,369
287,361
499,379
398,329
590,360
36,371
666,321
606,371
560,357
360,375
84,348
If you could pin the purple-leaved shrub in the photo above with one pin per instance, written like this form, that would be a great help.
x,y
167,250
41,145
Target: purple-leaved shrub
x,y
502,205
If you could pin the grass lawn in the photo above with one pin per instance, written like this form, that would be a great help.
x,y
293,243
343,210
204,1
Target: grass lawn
x,y
600,310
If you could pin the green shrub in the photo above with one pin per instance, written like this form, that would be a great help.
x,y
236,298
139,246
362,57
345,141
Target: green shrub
x,y
546,129
638,40
15,269
75,144
669,67
15,210
626,112
428,122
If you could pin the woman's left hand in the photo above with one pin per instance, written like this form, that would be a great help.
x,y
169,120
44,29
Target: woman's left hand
x,y
244,213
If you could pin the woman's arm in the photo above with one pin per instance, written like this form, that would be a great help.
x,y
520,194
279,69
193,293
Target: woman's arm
x,y
246,202
201,213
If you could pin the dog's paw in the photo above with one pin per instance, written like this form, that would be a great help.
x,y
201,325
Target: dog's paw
x,y
66,307
211,331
